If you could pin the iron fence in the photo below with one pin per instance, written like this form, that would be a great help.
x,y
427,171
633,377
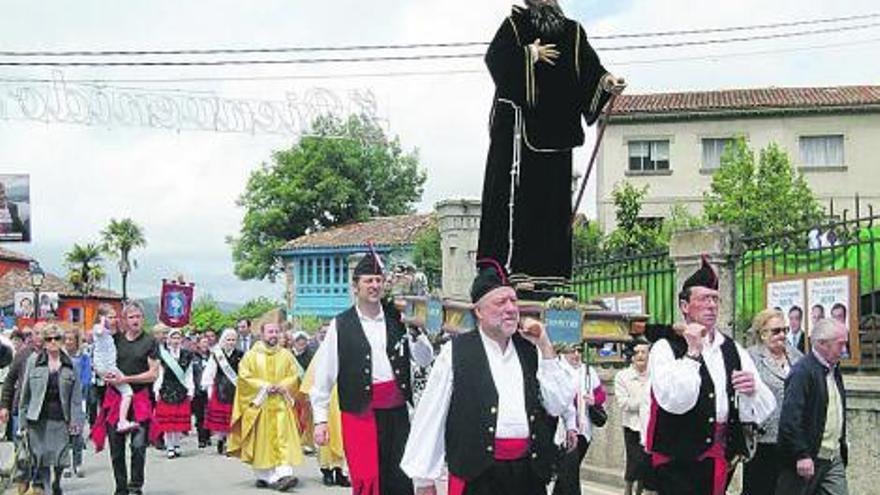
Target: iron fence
x,y
650,276
843,245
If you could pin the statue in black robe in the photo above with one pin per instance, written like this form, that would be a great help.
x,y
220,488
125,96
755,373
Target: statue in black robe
x,y
547,78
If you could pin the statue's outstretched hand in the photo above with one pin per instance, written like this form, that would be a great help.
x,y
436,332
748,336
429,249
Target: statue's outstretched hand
x,y
613,84
544,53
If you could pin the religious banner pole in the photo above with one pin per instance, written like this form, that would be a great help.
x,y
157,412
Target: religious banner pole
x,y
601,133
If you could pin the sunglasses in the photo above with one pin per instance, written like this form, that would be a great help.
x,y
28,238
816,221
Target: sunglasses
x,y
56,338
776,330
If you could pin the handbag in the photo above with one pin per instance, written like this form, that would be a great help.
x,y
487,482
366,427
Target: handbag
x,y
598,416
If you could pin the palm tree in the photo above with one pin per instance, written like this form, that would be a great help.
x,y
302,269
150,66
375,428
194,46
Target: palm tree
x,y
119,238
84,267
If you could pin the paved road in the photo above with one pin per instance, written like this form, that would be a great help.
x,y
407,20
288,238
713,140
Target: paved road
x,y
205,472
197,471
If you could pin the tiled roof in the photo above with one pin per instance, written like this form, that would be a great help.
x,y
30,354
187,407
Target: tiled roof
x,y
746,101
20,281
382,231
6,254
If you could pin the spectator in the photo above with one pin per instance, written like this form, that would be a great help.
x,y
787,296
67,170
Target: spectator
x,y
631,394
83,366
50,409
812,426
773,356
246,338
577,421
9,399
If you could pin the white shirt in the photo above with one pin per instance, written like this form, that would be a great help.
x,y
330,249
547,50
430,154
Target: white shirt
x,y
327,367
676,382
630,391
575,416
425,453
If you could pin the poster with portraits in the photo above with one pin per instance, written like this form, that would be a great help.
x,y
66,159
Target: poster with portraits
x,y
834,295
788,295
807,298
24,306
15,208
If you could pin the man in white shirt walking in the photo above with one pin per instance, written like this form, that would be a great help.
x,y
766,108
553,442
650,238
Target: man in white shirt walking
x,y
367,353
489,409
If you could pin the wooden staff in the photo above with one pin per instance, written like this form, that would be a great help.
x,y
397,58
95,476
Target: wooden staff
x,y
602,125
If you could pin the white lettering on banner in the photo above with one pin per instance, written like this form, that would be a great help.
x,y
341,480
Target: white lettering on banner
x,y
57,101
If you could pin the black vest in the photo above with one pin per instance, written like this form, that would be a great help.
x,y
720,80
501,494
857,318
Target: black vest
x,y
687,436
473,410
172,391
355,379
225,388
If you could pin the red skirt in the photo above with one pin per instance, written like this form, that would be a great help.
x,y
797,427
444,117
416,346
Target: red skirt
x,y
172,417
217,414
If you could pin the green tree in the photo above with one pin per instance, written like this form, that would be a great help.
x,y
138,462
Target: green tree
x,y
427,255
321,182
632,235
588,241
119,238
84,269
206,313
760,198
256,307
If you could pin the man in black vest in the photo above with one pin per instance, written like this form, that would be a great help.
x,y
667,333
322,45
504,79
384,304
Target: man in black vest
x,y
366,354
489,409
703,388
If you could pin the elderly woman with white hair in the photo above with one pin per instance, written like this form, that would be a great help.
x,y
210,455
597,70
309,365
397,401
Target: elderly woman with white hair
x,y
219,380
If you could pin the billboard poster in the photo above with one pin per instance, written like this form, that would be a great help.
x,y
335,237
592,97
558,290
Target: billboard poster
x,y
788,295
833,295
24,305
15,208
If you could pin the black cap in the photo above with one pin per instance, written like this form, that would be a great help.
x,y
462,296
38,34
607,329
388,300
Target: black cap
x,y
704,277
370,264
490,276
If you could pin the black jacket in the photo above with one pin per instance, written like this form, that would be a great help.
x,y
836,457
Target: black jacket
x,y
802,420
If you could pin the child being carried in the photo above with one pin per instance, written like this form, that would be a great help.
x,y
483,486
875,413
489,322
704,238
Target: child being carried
x,y
105,362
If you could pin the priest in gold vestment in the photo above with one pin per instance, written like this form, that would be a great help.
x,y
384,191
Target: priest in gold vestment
x,y
264,429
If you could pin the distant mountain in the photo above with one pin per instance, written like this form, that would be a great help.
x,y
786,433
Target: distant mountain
x,y
151,308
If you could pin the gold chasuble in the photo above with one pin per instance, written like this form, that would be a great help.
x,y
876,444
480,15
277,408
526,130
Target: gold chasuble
x,y
264,429
332,453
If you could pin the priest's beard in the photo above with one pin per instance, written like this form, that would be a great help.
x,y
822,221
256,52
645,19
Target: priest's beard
x,y
546,17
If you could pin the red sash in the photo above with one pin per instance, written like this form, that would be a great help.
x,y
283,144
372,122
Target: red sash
x,y
506,449
361,438
715,452
108,413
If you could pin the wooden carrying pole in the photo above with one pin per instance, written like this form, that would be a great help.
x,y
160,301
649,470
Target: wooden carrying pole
x,y
602,125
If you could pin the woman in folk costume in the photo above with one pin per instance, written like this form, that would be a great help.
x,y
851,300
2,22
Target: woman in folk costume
x,y
174,390
331,457
219,380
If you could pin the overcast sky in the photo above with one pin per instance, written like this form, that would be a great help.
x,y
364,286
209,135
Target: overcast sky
x,y
182,186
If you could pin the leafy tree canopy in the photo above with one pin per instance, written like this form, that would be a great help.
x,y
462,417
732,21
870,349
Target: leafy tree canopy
x,y
321,182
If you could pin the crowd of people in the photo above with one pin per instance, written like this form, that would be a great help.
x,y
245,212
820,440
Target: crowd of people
x,y
504,409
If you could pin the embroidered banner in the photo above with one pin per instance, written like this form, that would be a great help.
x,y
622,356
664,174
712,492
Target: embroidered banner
x,y
176,305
